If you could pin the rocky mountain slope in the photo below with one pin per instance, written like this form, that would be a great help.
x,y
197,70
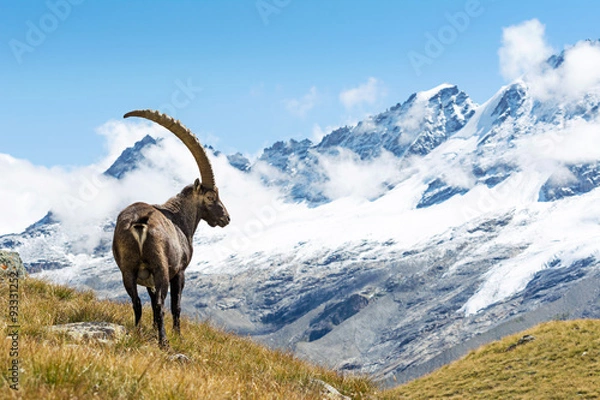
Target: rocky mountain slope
x,y
393,246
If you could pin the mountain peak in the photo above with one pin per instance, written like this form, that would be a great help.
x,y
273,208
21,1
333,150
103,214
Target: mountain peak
x,y
279,154
130,158
511,101
445,89
239,161
443,107
415,127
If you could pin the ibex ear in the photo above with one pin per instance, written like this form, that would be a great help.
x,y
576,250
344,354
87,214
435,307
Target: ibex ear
x,y
197,185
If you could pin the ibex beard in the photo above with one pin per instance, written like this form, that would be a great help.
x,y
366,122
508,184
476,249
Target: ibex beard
x,y
153,244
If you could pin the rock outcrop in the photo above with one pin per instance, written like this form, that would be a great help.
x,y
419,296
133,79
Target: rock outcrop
x,y
104,332
11,262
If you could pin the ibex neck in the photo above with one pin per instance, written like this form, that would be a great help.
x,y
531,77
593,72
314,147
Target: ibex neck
x,y
183,212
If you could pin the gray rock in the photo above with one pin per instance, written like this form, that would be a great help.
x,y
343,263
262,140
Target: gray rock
x,y
10,262
328,391
180,358
104,332
521,341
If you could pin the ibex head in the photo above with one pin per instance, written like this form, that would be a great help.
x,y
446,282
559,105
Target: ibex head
x,y
205,192
211,208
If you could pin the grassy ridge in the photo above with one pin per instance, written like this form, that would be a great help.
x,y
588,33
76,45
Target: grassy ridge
x,y
561,362
223,366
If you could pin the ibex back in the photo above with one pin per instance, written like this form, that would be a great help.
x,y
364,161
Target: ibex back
x,y
152,244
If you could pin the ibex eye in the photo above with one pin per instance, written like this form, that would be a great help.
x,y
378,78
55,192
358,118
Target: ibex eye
x,y
210,196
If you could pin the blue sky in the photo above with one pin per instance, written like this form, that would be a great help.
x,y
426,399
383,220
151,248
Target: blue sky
x,y
243,74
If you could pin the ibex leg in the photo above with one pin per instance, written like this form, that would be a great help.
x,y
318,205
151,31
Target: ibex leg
x,y
162,287
129,281
176,288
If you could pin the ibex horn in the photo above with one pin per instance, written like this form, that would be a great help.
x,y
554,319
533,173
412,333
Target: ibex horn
x,y
186,136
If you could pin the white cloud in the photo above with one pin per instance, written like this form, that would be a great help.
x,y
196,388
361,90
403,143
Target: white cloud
x,y
84,200
579,73
27,192
351,177
120,135
582,67
523,49
318,133
299,107
578,141
524,53
366,93
414,117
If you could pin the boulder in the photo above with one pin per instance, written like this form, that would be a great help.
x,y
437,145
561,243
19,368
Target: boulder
x,y
104,332
10,262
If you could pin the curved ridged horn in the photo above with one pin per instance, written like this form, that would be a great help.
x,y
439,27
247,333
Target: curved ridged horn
x,y
186,136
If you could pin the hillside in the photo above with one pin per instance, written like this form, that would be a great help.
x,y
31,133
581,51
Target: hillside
x,y
555,360
222,365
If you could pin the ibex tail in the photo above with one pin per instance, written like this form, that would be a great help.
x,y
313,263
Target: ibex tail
x,y
139,229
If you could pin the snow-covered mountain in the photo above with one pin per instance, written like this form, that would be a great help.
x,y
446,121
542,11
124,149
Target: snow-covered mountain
x,y
390,247
414,127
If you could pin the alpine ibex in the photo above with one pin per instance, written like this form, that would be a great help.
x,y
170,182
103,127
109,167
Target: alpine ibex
x,y
152,244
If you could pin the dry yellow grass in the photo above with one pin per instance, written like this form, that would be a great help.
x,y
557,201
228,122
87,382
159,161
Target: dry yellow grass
x,y
562,362
223,365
